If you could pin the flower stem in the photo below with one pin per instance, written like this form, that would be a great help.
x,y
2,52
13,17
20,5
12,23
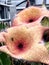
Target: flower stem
x,y
44,4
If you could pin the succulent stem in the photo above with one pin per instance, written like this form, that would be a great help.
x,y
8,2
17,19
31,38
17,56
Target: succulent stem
x,y
43,4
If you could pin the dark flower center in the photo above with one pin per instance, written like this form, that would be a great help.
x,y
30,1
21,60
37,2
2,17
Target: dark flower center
x,y
46,35
30,20
20,46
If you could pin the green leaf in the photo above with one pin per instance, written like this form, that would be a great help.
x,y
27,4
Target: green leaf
x,y
1,62
45,21
4,59
0,25
47,45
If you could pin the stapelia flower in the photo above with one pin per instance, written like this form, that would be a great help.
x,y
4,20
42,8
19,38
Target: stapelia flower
x,y
26,43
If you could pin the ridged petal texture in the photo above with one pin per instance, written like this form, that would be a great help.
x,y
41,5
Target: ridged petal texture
x,y
29,38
